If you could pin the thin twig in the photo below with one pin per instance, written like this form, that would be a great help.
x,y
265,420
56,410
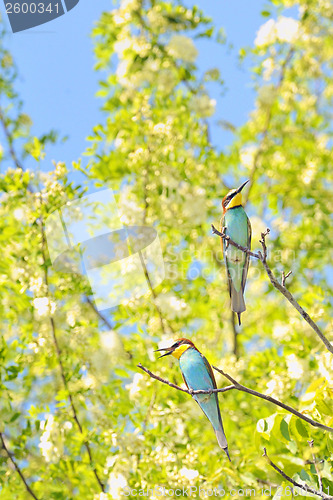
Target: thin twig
x,y
315,463
303,487
17,468
61,366
262,256
239,387
284,277
99,314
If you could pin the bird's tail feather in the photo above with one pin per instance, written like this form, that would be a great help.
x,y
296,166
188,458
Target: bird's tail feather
x,y
221,439
237,302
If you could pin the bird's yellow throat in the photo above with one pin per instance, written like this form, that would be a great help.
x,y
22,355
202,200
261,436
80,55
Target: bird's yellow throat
x,y
180,350
235,201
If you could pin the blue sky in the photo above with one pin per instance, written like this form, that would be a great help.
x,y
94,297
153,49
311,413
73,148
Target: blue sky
x,y
58,85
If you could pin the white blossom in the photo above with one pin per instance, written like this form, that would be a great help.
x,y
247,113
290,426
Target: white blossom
x,y
310,172
325,365
49,451
268,65
129,4
36,284
101,496
19,214
203,105
89,381
247,156
295,368
166,80
266,95
266,34
285,29
41,305
280,332
182,47
172,306
117,482
275,387
70,316
189,474
135,386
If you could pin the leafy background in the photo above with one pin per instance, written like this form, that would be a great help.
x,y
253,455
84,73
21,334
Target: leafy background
x,y
77,417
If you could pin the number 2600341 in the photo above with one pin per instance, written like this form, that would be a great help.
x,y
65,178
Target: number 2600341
x,y
31,8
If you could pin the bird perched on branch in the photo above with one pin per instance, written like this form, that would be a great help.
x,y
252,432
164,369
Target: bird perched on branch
x,y
198,375
236,225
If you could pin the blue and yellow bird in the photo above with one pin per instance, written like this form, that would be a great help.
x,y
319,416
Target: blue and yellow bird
x,y
198,375
236,225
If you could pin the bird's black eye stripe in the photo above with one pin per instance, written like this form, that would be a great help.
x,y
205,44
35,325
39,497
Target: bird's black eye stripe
x,y
176,344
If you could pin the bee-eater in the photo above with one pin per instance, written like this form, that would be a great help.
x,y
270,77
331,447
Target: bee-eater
x,y
198,375
237,226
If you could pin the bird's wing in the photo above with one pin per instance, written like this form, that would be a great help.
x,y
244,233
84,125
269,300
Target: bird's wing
x,y
210,371
184,379
222,240
226,260
247,257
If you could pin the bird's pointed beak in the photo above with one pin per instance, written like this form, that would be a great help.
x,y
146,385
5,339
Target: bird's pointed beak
x,y
167,349
242,186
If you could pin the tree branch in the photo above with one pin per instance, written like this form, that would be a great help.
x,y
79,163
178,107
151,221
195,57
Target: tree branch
x,y
303,487
188,391
233,243
17,468
276,402
262,256
61,366
238,387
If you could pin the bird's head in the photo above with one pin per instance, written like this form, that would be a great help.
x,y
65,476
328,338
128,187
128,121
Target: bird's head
x,y
177,349
233,198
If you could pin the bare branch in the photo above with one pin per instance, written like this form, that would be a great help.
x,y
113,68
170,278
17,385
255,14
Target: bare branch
x,y
262,256
303,487
188,391
238,387
234,244
285,292
276,402
17,468
284,277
